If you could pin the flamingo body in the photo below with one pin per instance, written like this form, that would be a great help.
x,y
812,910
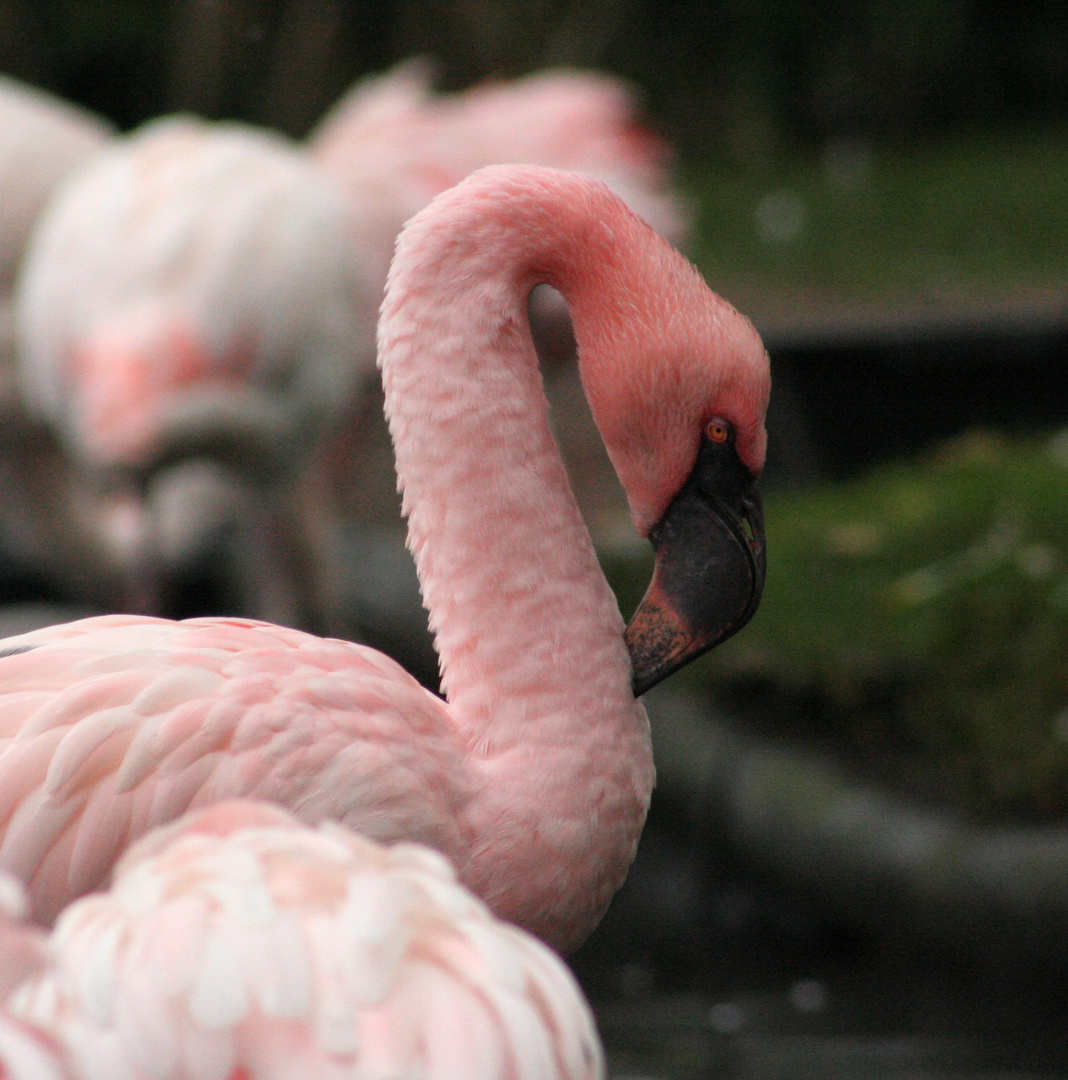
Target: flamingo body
x,y
195,294
534,775
191,261
117,724
393,144
238,943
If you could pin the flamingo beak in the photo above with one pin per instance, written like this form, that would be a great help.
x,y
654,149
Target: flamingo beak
x,y
709,570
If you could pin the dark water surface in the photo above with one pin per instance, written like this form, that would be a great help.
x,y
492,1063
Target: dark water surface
x,y
846,1026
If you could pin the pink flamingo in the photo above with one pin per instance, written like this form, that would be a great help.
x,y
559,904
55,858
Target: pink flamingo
x,y
239,943
192,317
393,145
533,776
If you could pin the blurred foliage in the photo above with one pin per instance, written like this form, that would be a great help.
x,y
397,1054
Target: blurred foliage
x,y
917,620
953,221
744,78
835,149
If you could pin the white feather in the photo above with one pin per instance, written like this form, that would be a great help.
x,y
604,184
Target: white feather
x,y
303,953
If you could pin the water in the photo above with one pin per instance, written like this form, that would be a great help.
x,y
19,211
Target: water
x,y
848,1026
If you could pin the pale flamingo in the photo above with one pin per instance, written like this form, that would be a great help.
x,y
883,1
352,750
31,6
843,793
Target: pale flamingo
x,y
533,776
194,296
42,139
238,942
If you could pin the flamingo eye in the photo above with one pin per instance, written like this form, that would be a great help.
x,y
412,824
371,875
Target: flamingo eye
x,y
718,431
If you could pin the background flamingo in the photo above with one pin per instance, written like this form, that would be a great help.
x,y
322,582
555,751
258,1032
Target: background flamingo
x,y
534,777
216,495
192,317
394,144
238,942
42,139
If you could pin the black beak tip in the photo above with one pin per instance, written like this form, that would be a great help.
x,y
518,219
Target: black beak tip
x,y
706,587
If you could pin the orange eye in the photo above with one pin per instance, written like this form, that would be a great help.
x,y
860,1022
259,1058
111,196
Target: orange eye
x,y
718,431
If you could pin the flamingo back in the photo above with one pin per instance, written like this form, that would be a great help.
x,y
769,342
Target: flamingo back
x,y
113,725
393,144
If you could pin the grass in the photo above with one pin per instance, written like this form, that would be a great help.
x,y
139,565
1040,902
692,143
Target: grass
x,y
963,219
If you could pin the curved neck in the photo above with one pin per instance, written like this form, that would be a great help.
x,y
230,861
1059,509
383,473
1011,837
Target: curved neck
x,y
528,633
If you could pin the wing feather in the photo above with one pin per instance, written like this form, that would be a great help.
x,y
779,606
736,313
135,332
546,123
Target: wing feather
x,y
174,740
117,724
68,704
35,826
72,766
100,833
23,766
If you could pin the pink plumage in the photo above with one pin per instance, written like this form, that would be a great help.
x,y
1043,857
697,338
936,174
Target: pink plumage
x,y
534,775
28,1053
393,144
22,945
237,942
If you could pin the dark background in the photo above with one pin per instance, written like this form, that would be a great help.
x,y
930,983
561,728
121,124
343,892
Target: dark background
x,y
739,76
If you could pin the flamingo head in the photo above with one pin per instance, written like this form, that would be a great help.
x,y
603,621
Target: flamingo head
x,y
678,382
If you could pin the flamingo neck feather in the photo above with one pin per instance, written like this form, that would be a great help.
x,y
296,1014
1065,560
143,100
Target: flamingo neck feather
x,y
528,632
